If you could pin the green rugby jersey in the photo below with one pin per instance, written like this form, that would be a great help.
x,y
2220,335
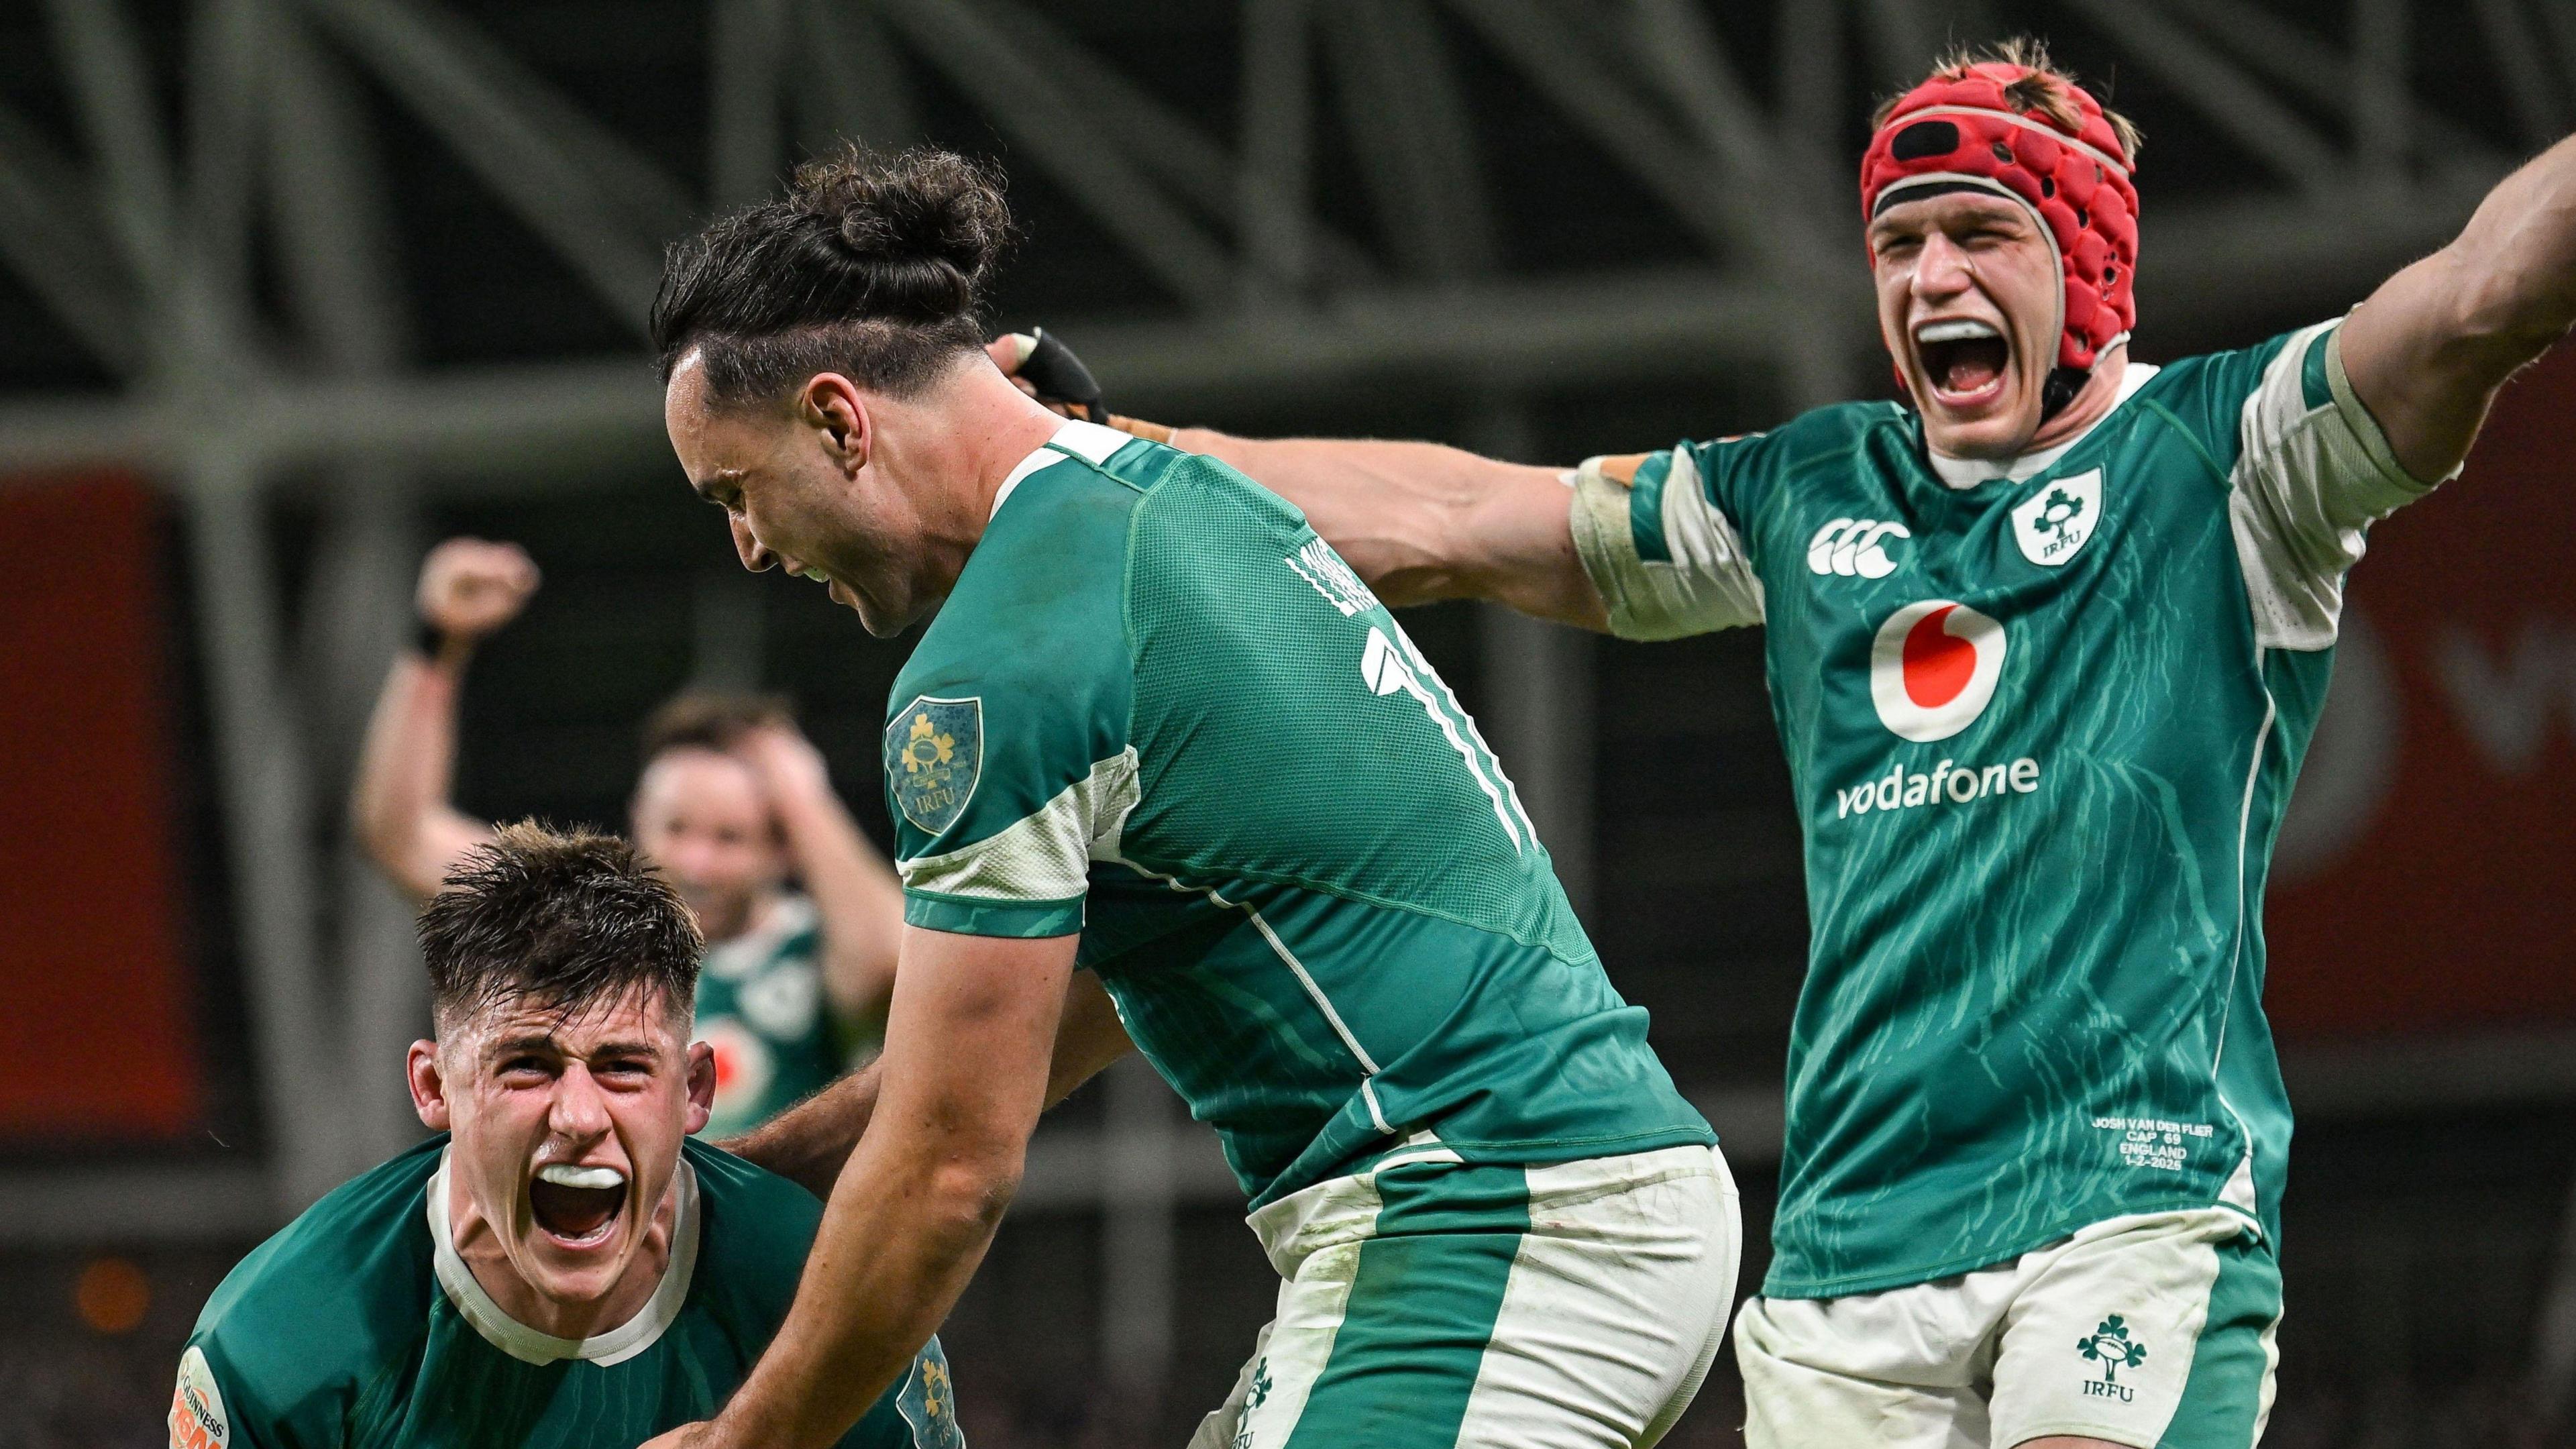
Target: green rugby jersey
x,y
358,1325
762,1007
2041,721
1159,711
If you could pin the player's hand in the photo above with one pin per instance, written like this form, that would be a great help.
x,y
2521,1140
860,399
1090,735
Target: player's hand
x,y
1046,369
469,587
786,762
687,1436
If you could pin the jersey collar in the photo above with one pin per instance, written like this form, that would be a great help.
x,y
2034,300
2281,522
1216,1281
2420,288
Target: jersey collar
x,y
1090,442
528,1345
1965,473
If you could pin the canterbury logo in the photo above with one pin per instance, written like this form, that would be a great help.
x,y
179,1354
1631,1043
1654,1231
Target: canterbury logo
x,y
1854,548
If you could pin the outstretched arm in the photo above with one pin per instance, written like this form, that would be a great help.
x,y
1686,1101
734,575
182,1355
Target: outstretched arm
x,y
854,890
399,807
1419,521
2429,349
810,1143
965,1076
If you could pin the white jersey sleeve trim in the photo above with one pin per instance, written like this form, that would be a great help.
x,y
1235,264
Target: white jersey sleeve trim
x,y
1045,856
1709,583
2310,479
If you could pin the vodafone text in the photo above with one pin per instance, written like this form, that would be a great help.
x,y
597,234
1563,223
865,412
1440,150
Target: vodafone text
x,y
1948,784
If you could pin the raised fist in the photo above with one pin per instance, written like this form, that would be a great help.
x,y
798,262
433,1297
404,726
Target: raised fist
x,y
468,587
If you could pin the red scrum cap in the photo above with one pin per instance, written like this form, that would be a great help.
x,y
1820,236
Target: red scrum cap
x,y
1960,131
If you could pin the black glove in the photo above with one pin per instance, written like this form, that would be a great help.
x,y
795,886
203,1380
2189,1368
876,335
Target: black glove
x,y
1062,382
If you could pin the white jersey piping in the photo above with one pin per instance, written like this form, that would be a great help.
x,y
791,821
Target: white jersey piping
x,y
1314,989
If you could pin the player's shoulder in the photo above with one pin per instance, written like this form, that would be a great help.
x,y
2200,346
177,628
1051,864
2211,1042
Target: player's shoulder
x,y
755,1228
1040,599
2208,393
1820,437
329,1299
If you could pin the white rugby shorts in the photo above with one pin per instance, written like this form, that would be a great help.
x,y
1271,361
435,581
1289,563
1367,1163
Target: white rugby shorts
x,y
2155,1331
1433,1304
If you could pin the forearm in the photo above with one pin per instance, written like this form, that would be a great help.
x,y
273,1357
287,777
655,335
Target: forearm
x,y
2518,257
1422,522
810,1143
856,894
2426,353
905,1231
399,808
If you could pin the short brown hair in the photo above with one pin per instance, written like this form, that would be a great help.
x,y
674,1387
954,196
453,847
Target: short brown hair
x,y
2045,90
707,719
568,918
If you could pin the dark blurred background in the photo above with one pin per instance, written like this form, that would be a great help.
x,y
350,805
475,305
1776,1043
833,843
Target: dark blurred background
x,y
290,289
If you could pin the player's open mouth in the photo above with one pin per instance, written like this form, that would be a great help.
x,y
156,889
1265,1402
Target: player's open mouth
x,y
577,1206
1964,360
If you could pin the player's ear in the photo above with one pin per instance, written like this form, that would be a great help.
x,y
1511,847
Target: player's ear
x,y
702,1086
428,1086
833,404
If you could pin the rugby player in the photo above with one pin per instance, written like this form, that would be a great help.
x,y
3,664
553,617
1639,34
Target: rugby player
x,y
1160,734
2045,646
559,1268
732,801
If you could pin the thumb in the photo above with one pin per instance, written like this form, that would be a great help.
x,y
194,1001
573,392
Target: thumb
x,y
1011,349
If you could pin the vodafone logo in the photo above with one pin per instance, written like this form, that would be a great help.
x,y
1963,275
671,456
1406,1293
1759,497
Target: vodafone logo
x,y
1932,668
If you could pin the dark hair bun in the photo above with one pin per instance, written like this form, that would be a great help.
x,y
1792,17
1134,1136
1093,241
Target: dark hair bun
x,y
926,225
871,266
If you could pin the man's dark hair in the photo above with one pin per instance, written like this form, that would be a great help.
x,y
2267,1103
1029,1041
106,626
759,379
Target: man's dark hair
x,y
706,719
566,918
870,267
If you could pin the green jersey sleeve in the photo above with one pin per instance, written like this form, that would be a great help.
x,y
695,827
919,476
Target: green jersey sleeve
x,y
1659,539
201,1413
2312,471
1007,759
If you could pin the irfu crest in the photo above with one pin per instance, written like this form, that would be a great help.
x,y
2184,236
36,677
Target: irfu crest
x,y
934,752
2053,523
2111,1346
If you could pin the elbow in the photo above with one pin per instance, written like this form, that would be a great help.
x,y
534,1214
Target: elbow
x,y
969,1194
2511,314
372,825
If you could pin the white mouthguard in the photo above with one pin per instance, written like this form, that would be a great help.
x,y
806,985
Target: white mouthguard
x,y
565,1175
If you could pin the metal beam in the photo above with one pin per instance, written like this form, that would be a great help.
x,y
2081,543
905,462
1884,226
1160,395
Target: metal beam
x,y
112,89
604,209
854,85
986,61
1673,44
483,428
1273,197
54,237
2379,94
268,818
2269,131
2513,44
1560,60
2319,74
1403,114
1140,1191
746,131
1165,143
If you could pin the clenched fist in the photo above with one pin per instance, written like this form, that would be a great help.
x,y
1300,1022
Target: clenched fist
x,y
469,587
